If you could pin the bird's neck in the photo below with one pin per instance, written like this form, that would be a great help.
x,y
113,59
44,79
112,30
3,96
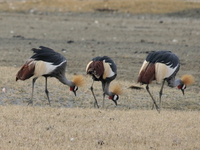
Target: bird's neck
x,y
65,81
105,87
175,82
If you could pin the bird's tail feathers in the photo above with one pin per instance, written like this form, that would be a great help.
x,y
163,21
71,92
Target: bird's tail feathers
x,y
137,87
187,79
79,80
117,89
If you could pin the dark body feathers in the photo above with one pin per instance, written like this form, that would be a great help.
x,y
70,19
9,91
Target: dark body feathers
x,y
48,55
165,57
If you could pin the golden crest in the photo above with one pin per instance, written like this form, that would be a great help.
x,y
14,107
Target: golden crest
x,y
187,79
79,80
117,89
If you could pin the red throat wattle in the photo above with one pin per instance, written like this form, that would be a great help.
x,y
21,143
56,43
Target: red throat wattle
x,y
110,97
179,87
71,88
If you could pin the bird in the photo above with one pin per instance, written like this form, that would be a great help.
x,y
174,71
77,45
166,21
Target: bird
x,y
47,63
162,66
104,69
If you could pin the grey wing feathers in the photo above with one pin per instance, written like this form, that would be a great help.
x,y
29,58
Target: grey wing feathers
x,y
166,57
48,55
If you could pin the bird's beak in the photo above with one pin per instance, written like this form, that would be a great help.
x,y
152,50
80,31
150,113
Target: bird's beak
x,y
115,102
182,91
72,89
74,93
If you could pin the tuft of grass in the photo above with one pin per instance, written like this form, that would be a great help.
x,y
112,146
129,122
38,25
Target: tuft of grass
x,y
132,6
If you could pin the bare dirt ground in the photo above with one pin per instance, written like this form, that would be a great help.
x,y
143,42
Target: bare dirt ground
x,y
126,38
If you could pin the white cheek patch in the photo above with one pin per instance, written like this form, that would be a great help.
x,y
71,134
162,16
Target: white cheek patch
x,y
75,88
115,97
183,87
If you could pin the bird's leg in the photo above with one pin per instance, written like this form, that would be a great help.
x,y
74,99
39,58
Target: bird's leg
x,y
46,91
103,98
104,94
157,108
95,103
31,100
160,93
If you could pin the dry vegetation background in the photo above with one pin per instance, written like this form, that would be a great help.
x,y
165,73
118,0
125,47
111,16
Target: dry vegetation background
x,y
134,6
75,128
126,30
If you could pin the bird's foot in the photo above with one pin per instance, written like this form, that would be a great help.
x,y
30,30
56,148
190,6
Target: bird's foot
x,y
49,104
96,105
157,108
30,102
152,107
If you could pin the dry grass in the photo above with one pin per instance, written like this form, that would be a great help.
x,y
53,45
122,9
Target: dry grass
x,y
133,6
53,128
73,123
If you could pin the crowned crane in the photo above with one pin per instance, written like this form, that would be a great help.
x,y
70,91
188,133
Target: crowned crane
x,y
162,66
105,70
47,63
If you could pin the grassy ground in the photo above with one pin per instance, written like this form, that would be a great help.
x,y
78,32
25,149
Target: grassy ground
x,y
133,6
19,93
72,122
75,128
